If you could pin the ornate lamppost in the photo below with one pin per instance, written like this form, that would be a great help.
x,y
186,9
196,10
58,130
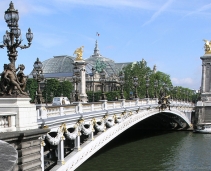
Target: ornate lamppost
x,y
12,40
175,91
156,86
102,81
164,87
51,95
135,84
93,85
76,79
38,76
121,82
46,100
147,86
187,93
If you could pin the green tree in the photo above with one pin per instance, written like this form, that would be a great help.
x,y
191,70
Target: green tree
x,y
31,87
57,88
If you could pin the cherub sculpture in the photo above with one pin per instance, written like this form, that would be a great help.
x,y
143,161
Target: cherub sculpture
x,y
12,79
21,77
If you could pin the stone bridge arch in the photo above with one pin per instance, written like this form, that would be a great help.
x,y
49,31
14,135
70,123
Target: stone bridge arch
x,y
129,118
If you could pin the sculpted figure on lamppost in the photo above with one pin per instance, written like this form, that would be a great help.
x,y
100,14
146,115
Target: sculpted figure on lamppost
x,y
11,84
12,79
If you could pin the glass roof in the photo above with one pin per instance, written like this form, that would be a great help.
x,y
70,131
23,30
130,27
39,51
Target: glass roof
x,y
63,65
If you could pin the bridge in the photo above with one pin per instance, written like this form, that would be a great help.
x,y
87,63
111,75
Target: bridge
x,y
79,130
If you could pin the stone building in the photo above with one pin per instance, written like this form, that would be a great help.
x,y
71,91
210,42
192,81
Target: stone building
x,y
61,67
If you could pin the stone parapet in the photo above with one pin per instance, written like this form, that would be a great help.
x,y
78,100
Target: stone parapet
x,y
28,146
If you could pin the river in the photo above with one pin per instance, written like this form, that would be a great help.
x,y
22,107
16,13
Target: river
x,y
140,150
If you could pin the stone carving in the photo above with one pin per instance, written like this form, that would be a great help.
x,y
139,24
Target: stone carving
x,y
59,136
118,119
74,134
109,121
154,69
100,125
89,130
11,83
21,77
3,82
79,53
143,62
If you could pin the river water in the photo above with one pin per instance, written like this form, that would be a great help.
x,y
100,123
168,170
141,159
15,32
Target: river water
x,y
139,150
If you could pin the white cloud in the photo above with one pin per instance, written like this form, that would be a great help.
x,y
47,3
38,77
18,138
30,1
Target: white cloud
x,y
158,12
201,9
143,4
24,7
186,82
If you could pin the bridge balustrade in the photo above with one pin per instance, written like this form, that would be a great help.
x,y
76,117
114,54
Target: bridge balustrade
x,y
86,118
7,122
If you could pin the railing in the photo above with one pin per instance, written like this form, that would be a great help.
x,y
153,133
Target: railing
x,y
55,111
7,122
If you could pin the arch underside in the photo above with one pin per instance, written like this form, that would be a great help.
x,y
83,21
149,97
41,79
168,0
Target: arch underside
x,y
151,119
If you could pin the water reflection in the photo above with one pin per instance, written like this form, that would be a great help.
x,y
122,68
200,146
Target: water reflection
x,y
137,150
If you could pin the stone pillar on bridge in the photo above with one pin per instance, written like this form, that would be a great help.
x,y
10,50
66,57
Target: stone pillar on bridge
x,y
61,152
81,64
203,107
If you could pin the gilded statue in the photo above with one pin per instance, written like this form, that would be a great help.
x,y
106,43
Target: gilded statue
x,y
79,53
207,46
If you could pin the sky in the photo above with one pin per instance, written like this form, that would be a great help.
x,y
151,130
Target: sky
x,y
165,33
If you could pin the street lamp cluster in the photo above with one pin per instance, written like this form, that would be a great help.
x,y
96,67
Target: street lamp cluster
x,y
38,76
76,80
12,40
103,82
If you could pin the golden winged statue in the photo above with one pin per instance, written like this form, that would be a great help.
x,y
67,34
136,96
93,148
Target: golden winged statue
x,y
79,53
207,46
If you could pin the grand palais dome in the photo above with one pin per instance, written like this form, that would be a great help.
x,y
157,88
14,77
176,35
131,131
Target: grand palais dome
x,y
62,66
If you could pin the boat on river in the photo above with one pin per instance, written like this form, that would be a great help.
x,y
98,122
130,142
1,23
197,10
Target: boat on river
x,y
203,128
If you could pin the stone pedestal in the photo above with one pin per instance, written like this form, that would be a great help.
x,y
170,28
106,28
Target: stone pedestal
x,y
203,107
24,112
81,64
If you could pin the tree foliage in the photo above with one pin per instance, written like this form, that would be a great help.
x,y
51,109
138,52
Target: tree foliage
x,y
142,71
52,88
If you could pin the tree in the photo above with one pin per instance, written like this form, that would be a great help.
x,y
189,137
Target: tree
x,y
31,87
57,88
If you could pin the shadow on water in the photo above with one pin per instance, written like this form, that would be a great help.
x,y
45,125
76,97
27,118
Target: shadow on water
x,y
127,148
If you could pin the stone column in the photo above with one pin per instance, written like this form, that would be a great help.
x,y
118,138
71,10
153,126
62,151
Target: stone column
x,y
42,144
82,89
77,142
61,152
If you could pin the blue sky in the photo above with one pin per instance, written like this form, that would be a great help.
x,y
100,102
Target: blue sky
x,y
167,33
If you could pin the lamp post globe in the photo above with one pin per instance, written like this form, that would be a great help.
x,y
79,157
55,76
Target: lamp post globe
x,y
12,40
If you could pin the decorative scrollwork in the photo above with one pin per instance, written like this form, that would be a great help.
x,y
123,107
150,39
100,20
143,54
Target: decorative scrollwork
x,y
118,119
100,127
55,140
74,134
110,121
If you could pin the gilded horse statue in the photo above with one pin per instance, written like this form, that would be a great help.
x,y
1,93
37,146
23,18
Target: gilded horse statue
x,y
79,53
